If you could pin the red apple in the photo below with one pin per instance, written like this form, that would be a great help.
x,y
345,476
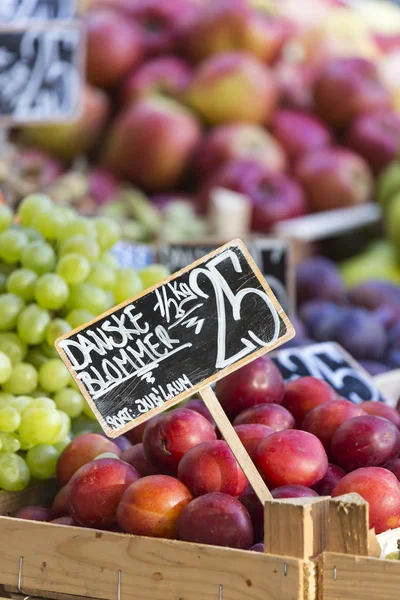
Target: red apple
x,y
299,132
296,81
33,513
135,435
274,196
114,47
161,22
238,140
151,142
233,86
323,420
136,457
198,406
166,75
212,467
151,506
38,166
291,457
365,441
304,394
169,436
325,485
96,490
272,415
380,488
376,138
347,88
258,382
393,465
379,409
70,139
293,491
334,178
256,511
60,506
216,519
80,451
233,25
251,435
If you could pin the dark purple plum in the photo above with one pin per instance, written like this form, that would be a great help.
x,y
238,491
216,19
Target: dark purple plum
x,y
374,367
393,358
256,511
374,294
325,485
320,318
394,336
318,278
361,334
258,547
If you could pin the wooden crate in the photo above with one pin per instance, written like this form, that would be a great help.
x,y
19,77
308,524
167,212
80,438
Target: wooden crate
x,y
55,561
350,569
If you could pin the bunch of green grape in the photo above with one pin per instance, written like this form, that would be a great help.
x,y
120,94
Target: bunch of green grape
x,y
56,273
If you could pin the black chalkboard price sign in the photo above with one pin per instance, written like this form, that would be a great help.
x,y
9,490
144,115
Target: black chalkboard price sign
x,y
41,73
272,256
330,362
13,11
175,339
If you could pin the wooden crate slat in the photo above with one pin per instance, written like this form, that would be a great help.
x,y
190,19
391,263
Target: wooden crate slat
x,y
348,525
82,562
358,578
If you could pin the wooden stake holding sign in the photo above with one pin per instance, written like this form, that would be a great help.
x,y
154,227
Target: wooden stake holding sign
x,y
174,340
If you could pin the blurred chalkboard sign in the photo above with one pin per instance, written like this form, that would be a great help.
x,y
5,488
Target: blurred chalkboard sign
x,y
330,362
41,73
159,348
271,255
16,11
129,254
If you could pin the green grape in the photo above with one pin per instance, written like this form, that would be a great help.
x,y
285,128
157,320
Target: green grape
x,y
73,384
39,256
127,285
78,226
31,206
10,307
102,275
36,358
9,443
60,446
22,282
13,346
39,392
79,244
23,379
67,213
14,473
12,244
3,282
5,367
51,291
48,223
83,424
78,317
42,461
70,401
108,232
53,375
48,351
32,324
109,259
74,268
153,274
32,234
39,426
10,419
56,329
5,399
43,402
64,429
6,217
6,269
21,403
90,297
88,411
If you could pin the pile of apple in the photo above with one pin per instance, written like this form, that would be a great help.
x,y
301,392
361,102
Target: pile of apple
x,y
173,477
185,96
364,319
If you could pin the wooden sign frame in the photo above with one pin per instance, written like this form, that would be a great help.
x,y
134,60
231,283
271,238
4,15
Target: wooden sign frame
x,y
254,240
48,26
290,332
